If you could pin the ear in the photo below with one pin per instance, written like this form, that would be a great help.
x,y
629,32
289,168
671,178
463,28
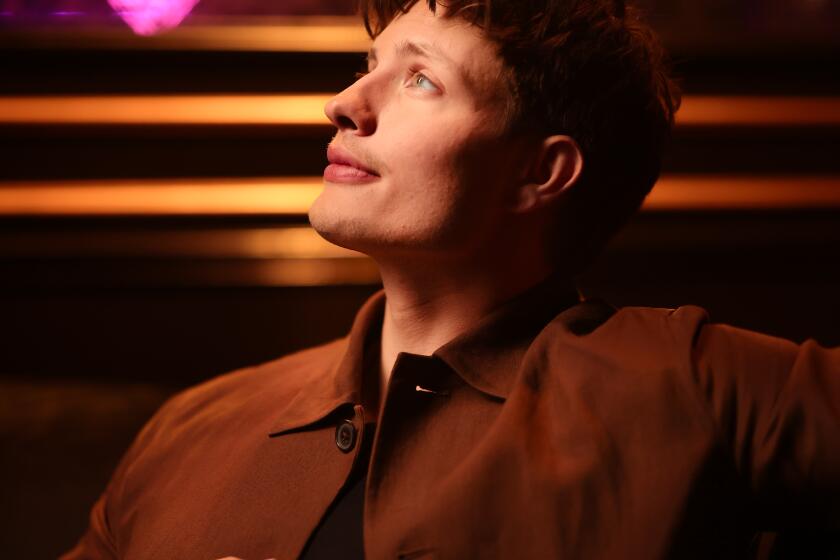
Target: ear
x,y
556,166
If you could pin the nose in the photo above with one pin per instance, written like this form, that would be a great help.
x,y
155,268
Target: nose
x,y
352,111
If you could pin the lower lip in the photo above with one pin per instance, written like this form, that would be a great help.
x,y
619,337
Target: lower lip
x,y
337,173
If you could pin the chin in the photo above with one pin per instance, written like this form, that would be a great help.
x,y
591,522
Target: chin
x,y
364,230
337,238
337,229
356,236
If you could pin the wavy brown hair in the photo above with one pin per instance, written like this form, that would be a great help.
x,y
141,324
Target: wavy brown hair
x,y
590,69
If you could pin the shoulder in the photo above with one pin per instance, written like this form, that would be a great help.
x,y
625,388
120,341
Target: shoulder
x,y
251,394
645,334
199,428
281,375
677,323
651,338
681,343
684,333
280,378
698,340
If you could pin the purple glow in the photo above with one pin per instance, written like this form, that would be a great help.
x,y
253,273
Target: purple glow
x,y
63,14
147,17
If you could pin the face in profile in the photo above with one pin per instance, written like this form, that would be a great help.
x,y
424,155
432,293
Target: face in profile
x,y
425,123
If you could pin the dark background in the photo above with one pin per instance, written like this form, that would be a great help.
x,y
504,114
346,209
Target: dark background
x,y
97,328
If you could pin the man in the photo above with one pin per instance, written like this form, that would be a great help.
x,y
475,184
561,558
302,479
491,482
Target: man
x,y
477,408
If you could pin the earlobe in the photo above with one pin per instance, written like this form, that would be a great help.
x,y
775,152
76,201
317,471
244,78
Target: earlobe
x,y
526,198
556,168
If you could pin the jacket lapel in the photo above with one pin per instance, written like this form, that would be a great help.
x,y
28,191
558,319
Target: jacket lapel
x,y
339,385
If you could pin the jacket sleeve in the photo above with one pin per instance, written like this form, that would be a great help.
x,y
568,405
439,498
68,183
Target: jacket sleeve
x,y
777,406
97,542
101,539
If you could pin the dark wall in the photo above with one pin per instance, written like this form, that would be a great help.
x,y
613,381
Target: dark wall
x,y
92,341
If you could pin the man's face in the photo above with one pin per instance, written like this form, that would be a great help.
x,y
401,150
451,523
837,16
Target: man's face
x,y
427,120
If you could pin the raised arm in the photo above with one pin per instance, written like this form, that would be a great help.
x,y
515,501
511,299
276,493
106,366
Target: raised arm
x,y
777,405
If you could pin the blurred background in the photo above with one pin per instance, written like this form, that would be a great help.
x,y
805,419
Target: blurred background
x,y
157,160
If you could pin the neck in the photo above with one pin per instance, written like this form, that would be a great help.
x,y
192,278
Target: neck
x,y
429,305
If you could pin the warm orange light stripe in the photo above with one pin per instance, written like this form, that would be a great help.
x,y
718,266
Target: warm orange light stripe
x,y
720,192
338,34
160,197
166,109
280,242
758,111
298,37
333,35
293,196
308,109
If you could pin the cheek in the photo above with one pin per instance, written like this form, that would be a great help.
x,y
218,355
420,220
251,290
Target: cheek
x,y
426,142
443,166
427,167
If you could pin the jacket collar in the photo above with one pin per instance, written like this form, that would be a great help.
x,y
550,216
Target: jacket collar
x,y
339,383
487,356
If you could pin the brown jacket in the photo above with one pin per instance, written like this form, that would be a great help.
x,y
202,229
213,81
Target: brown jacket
x,y
554,429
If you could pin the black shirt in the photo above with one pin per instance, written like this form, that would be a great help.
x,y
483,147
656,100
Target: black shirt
x,y
340,532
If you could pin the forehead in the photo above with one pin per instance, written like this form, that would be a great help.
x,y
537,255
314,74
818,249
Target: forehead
x,y
452,43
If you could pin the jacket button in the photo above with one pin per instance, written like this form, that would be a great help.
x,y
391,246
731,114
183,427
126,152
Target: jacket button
x,y
345,436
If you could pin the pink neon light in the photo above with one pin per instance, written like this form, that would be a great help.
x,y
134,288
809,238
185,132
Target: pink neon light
x,y
147,17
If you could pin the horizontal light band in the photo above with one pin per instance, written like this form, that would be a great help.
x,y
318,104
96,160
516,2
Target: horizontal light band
x,y
337,34
166,110
308,110
282,242
293,196
722,192
719,110
285,196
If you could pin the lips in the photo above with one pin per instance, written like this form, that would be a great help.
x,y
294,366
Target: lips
x,y
344,168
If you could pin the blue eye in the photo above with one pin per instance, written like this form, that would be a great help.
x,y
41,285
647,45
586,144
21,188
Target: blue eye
x,y
419,78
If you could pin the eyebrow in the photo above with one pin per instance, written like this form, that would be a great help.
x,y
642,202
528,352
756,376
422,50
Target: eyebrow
x,y
429,50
